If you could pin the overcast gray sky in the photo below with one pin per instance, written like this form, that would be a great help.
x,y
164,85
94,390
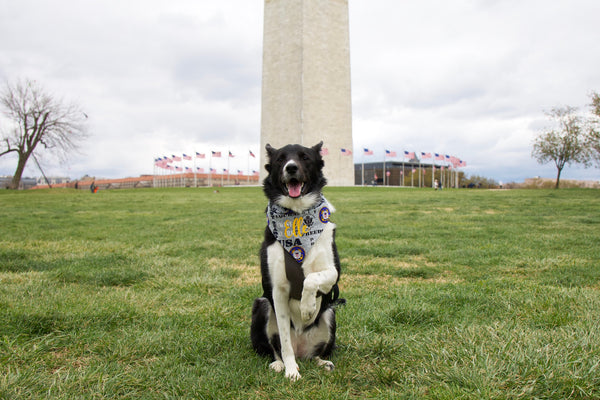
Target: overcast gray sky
x,y
468,78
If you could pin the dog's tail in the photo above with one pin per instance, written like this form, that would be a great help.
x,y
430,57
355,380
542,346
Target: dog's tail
x,y
335,300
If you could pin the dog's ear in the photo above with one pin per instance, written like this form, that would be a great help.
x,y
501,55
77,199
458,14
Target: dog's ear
x,y
317,147
270,152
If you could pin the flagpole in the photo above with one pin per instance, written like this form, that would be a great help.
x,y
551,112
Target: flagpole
x,y
195,180
210,170
384,154
420,172
363,171
402,180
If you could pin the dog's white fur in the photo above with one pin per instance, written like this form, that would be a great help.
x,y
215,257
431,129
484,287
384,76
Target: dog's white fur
x,y
320,276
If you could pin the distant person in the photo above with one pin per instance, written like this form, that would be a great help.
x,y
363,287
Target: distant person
x,y
93,187
436,184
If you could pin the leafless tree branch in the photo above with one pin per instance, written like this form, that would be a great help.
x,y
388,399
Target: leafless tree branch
x,y
38,118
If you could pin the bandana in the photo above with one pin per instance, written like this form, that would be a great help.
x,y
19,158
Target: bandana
x,y
298,232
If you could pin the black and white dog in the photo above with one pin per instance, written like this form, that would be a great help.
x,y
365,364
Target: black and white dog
x,y
300,267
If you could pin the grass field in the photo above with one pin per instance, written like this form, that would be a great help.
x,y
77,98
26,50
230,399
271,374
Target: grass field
x,y
147,294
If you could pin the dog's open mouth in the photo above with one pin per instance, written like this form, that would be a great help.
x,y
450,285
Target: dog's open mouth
x,y
294,188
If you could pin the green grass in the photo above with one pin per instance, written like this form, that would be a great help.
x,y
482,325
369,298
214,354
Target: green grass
x,y
147,294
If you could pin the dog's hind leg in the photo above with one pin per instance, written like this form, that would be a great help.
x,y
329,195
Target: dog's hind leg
x,y
328,365
258,329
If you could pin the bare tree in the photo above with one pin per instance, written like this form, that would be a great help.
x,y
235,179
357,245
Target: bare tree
x,y
35,117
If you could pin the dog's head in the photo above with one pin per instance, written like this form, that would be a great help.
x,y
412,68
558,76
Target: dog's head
x,y
295,171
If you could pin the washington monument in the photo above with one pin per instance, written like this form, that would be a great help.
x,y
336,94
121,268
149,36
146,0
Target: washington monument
x,y
306,94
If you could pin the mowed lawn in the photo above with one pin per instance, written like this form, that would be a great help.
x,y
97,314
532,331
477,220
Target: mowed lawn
x,y
147,293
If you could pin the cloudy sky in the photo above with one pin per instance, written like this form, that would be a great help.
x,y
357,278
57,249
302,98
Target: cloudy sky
x,y
469,78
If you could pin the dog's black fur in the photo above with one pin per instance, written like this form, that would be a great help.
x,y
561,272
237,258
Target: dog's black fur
x,y
289,167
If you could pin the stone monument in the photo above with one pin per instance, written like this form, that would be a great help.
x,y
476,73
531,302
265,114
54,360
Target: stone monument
x,y
306,94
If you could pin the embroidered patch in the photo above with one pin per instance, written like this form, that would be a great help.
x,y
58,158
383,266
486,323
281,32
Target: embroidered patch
x,y
298,232
298,253
324,215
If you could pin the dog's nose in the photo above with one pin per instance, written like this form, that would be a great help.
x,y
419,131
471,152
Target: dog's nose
x,y
291,168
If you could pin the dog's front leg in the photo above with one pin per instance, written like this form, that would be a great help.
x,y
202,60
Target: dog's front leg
x,y
281,297
315,282
282,313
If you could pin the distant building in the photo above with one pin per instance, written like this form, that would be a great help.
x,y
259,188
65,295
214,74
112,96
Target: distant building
x,y
54,180
26,182
409,173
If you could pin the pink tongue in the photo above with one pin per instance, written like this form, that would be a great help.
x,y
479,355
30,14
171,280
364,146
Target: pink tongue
x,y
294,190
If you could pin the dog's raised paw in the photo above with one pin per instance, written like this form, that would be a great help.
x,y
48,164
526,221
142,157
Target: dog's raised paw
x,y
308,309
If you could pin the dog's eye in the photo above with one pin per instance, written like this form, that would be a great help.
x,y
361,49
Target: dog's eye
x,y
280,160
305,157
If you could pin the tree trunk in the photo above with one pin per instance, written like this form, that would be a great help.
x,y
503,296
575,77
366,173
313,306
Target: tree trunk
x,y
558,178
16,181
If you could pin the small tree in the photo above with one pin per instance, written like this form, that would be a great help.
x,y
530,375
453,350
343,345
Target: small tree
x,y
566,144
37,118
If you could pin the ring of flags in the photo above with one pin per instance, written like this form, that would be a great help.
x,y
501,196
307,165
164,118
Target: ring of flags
x,y
411,155
168,163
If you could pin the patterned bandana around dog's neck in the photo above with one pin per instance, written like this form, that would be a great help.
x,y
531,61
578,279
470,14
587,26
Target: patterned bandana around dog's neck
x,y
298,232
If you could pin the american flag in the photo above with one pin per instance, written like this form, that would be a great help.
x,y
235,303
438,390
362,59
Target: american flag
x,y
216,154
346,152
425,155
199,155
159,162
255,173
201,170
231,155
176,158
212,170
409,155
240,172
439,157
252,154
225,171
368,152
324,151
186,157
389,153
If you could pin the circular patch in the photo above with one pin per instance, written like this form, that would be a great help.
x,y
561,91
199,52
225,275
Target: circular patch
x,y
324,215
298,253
